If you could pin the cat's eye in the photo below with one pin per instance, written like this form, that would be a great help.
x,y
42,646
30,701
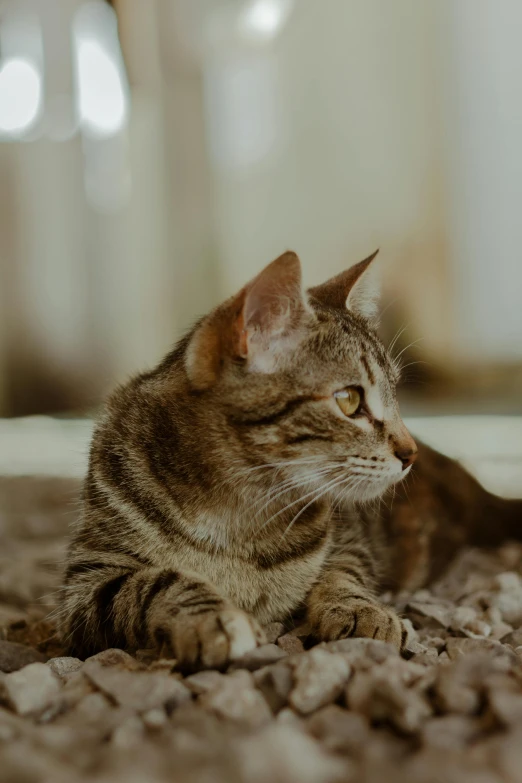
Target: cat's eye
x,y
349,400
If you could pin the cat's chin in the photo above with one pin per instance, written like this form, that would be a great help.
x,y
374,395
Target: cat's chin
x,y
373,490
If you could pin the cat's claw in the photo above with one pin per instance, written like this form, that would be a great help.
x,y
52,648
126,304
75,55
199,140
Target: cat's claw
x,y
362,618
214,639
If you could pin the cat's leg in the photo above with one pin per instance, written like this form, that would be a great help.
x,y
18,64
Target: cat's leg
x,y
108,605
339,607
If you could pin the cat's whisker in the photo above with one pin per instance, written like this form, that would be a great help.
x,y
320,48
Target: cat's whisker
x,y
414,342
328,488
287,486
396,338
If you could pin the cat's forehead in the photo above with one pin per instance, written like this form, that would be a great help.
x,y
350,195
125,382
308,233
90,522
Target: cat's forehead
x,y
346,345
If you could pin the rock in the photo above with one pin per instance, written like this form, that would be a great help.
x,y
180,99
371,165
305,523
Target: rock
x,y
129,734
506,706
450,732
508,600
236,699
514,639
114,657
259,657
30,690
381,697
137,690
284,754
15,656
460,617
319,678
436,612
459,687
155,719
361,653
290,644
204,681
64,666
338,730
273,631
275,683
458,648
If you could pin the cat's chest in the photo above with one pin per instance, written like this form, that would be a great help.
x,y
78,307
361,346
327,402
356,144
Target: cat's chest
x,y
270,582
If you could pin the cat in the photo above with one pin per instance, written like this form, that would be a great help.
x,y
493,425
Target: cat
x,y
229,487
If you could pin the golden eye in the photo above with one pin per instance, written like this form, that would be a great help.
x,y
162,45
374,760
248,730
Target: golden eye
x,y
349,400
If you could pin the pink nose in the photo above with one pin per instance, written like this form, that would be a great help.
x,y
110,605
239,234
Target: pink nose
x,y
407,454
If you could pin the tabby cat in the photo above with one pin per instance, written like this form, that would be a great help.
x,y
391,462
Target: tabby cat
x,y
228,487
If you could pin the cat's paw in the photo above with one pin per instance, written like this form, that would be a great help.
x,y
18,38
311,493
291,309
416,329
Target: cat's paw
x,y
359,617
214,639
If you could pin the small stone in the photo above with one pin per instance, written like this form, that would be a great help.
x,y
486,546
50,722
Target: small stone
x,y
461,616
275,683
30,690
290,644
236,699
477,629
129,734
285,754
450,732
273,631
426,658
338,730
319,677
436,612
290,717
15,656
204,681
64,666
506,706
114,657
458,648
259,657
380,696
155,719
361,652
514,639
459,686
138,690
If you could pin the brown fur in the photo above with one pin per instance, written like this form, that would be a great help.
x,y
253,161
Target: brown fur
x,y
224,487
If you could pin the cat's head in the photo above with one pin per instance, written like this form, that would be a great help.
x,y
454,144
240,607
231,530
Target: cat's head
x,y
300,381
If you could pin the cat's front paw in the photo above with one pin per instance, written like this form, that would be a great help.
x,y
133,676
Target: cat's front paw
x,y
214,639
359,617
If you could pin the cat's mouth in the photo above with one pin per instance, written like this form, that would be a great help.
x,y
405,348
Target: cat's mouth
x,y
370,485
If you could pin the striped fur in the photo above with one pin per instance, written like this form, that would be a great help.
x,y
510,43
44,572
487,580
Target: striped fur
x,y
223,486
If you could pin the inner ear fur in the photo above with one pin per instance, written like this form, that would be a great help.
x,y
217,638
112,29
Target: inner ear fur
x,y
355,289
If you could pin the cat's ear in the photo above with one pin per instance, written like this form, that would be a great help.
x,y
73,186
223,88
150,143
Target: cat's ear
x,y
258,325
356,289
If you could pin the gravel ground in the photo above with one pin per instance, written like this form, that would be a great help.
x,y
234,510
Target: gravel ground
x,y
449,710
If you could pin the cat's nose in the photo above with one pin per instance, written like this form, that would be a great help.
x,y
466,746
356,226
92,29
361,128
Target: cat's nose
x,y
407,454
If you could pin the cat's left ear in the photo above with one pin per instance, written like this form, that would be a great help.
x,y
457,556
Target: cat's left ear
x,y
357,289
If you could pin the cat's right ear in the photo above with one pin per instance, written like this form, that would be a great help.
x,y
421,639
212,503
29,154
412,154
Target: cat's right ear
x,y
258,325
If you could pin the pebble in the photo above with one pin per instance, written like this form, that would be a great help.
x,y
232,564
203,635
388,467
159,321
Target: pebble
x,y
259,657
65,666
30,690
290,644
319,677
238,700
15,656
138,690
273,631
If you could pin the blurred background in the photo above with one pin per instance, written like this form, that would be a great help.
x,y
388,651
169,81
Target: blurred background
x,y
154,154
